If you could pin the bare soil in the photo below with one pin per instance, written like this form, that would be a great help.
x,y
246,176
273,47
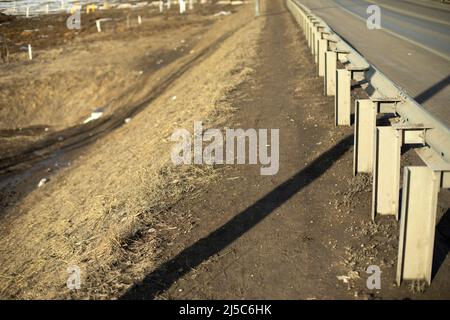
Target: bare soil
x,y
292,235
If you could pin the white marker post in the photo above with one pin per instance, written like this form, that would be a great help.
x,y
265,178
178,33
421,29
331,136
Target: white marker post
x,y
28,12
161,6
182,6
168,4
191,4
256,8
46,9
30,53
98,24
139,20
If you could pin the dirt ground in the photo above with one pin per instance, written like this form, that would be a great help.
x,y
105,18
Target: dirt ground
x,y
141,228
292,235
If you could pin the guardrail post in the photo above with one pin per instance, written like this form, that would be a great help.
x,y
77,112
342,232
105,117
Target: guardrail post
x,y
308,30
365,126
366,111
314,39
323,48
313,43
386,167
417,225
386,171
319,36
330,73
316,46
342,99
421,186
310,35
310,39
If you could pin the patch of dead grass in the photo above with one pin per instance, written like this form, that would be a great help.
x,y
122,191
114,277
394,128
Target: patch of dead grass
x,y
93,213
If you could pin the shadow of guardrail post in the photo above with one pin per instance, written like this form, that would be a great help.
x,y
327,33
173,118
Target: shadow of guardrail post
x,y
166,274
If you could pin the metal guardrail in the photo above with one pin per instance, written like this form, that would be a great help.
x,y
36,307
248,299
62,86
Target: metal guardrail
x,y
377,148
437,137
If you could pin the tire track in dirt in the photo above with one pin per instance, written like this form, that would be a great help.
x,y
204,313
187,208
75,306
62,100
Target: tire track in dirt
x,y
83,135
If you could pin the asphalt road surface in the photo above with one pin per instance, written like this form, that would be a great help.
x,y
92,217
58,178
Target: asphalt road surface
x,y
412,47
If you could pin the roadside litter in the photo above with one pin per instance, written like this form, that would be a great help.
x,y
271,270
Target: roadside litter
x,y
222,13
94,115
42,182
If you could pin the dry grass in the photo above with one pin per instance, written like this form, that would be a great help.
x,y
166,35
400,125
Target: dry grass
x,y
63,85
93,213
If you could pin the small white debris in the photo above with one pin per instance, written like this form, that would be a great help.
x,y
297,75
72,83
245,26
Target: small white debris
x,y
343,278
350,276
98,25
124,6
42,182
174,98
353,274
127,120
94,115
222,13
30,52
